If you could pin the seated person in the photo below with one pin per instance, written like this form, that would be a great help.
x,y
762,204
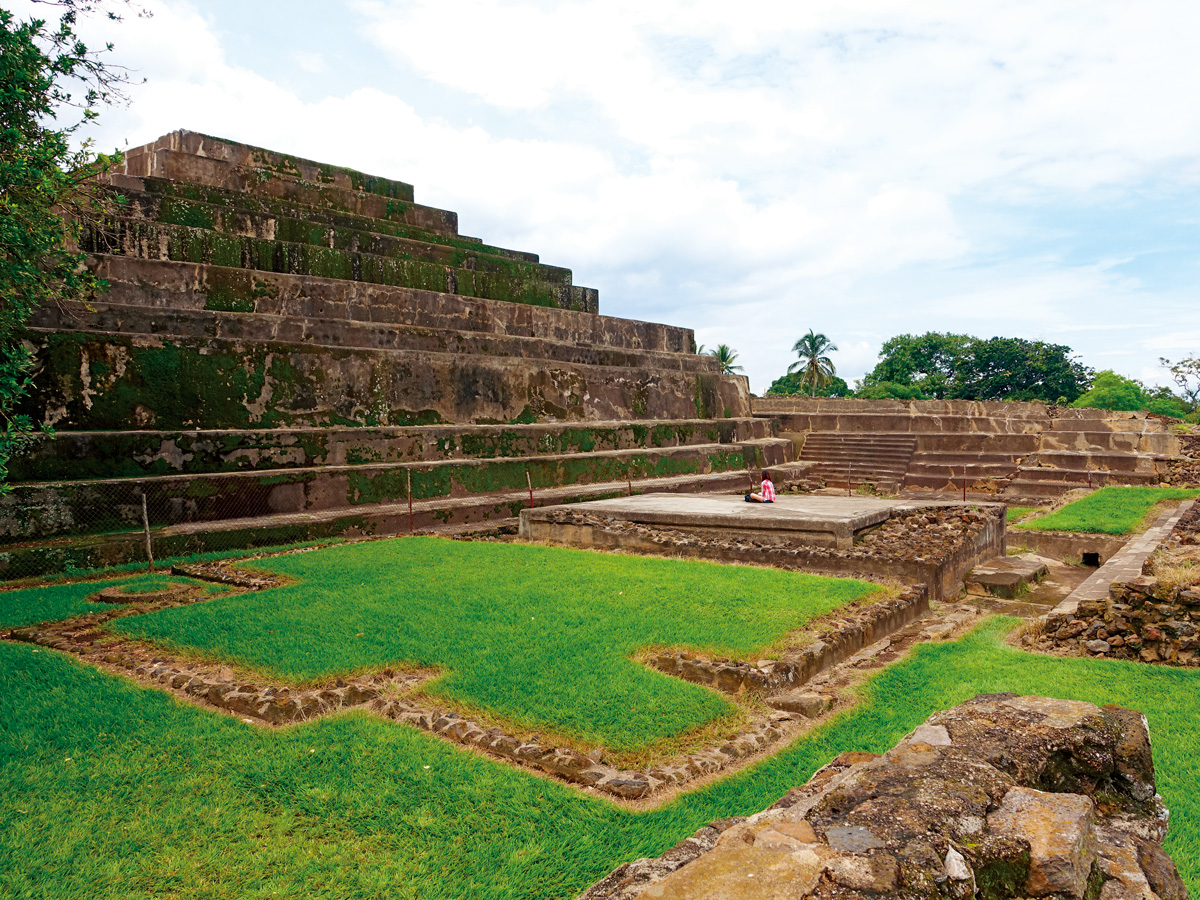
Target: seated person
x,y
766,493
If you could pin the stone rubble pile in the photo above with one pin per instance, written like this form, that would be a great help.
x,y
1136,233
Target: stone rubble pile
x,y
1003,796
1185,471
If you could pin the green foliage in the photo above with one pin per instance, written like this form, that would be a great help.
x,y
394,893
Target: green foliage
x,y
815,368
1110,510
791,385
889,390
41,178
1113,391
1016,513
542,636
103,781
962,367
1186,374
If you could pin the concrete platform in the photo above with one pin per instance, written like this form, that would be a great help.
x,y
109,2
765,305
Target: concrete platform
x,y
807,520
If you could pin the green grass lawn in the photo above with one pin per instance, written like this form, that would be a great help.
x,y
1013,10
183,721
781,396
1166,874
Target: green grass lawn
x,y
539,636
1015,513
112,790
1110,510
51,603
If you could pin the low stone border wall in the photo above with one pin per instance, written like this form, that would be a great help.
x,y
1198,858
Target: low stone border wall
x,y
1069,544
1001,797
857,629
1141,618
934,545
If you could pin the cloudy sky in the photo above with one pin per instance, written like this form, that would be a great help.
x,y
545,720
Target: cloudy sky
x,y
751,170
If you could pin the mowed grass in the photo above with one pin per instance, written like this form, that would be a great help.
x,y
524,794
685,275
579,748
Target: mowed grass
x,y
1110,510
1016,513
51,603
112,790
539,636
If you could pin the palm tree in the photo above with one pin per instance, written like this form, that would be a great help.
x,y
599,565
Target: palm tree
x,y
725,356
818,368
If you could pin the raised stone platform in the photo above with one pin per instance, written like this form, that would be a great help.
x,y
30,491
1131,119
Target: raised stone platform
x,y
805,520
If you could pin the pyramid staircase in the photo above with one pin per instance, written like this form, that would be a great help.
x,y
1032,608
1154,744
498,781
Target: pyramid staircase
x,y
291,350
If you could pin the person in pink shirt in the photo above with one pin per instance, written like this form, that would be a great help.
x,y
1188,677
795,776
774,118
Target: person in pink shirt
x,y
766,493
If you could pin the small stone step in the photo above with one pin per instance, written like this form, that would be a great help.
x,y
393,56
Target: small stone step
x,y
1006,576
800,701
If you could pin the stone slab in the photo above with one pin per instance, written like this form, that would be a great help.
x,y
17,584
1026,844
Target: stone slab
x,y
1006,576
807,519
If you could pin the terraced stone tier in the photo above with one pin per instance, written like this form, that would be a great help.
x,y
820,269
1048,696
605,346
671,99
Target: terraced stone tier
x,y
259,183
204,206
270,162
108,318
71,456
112,382
179,243
442,514
160,285
81,507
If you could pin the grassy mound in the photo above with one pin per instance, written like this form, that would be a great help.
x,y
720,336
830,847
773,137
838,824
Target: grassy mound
x,y
54,602
540,636
1110,510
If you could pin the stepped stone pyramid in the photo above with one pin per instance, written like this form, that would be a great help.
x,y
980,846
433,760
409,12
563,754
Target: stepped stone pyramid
x,y
285,337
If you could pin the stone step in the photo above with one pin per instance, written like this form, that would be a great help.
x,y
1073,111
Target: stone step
x,y
1100,441
322,229
108,318
110,382
178,243
1080,476
74,455
762,453
203,206
972,444
1085,461
82,552
178,286
275,164
187,169
875,422
1006,576
996,468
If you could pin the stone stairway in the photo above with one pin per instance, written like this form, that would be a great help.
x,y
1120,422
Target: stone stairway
x,y
847,460
1019,450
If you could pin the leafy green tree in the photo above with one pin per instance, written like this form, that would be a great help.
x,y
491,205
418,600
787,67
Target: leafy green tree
x,y
725,357
816,369
1116,392
1186,374
889,390
927,362
790,386
47,77
962,367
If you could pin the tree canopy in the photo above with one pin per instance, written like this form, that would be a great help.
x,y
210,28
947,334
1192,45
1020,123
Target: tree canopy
x,y
791,385
47,75
962,367
725,356
1113,391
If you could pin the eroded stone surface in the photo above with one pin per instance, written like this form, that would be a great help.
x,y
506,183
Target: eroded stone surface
x,y
1003,796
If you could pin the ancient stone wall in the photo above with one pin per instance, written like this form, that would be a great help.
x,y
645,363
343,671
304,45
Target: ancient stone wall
x,y
1153,618
1004,796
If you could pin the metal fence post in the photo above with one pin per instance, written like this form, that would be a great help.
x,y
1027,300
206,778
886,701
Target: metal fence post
x,y
146,529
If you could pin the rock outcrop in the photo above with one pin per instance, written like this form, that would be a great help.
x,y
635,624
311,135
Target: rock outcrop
x,y
1003,796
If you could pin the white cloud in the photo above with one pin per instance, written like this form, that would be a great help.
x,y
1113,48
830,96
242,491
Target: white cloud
x,y
752,170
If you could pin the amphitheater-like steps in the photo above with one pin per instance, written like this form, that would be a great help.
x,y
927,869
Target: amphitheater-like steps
x,y
844,460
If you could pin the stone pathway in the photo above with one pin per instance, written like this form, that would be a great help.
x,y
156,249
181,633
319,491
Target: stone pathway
x,y
1127,563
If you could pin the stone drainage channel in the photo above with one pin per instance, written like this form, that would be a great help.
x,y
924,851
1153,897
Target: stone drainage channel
x,y
800,687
